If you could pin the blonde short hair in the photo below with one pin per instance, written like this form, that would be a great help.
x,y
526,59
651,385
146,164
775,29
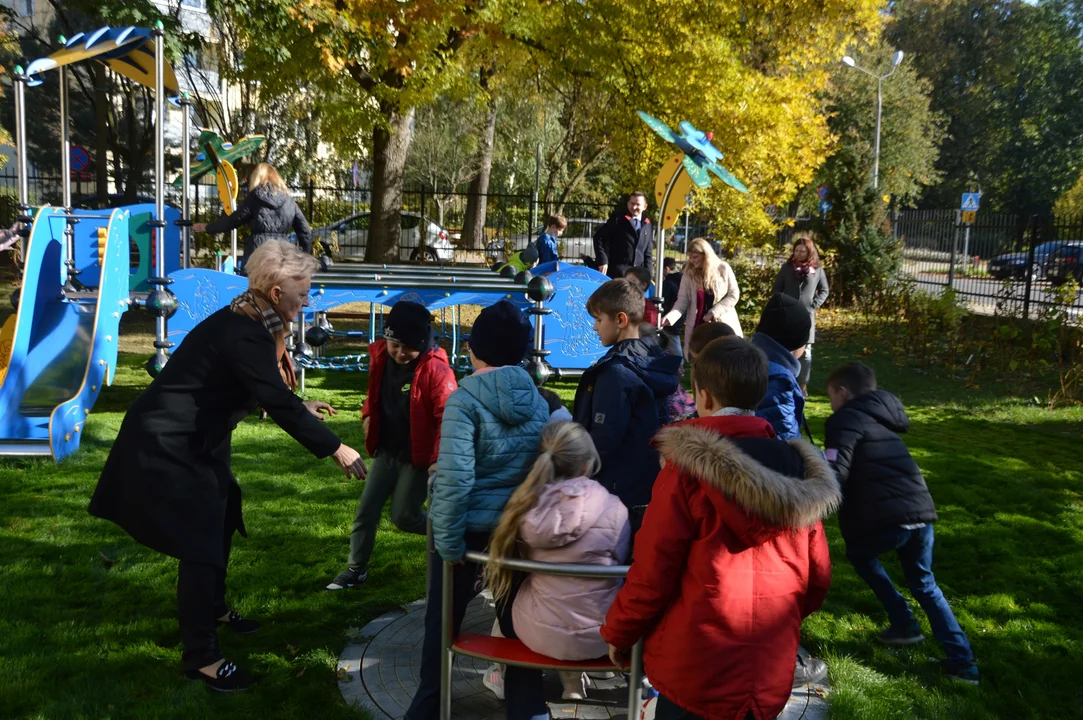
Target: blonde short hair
x,y
277,261
265,174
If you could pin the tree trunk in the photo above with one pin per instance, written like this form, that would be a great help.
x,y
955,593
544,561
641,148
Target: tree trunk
x,y
389,150
477,200
101,139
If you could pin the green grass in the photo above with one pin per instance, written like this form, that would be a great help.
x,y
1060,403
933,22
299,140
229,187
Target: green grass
x,y
88,628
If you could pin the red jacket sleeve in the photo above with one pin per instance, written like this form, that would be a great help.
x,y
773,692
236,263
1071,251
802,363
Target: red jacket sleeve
x,y
819,571
661,551
441,385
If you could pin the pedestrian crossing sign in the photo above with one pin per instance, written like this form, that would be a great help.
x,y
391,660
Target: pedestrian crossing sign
x,y
971,201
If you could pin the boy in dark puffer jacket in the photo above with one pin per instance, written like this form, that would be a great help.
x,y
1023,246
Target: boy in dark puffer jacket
x,y
887,507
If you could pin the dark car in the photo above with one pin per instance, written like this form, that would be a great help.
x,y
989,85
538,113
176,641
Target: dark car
x,y
1015,265
1066,264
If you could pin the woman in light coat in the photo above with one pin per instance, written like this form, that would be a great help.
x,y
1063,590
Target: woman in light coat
x,y
708,293
560,515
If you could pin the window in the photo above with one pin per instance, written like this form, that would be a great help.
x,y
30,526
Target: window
x,y
409,222
360,223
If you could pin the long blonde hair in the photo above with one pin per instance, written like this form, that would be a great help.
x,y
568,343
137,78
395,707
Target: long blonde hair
x,y
709,274
566,452
265,174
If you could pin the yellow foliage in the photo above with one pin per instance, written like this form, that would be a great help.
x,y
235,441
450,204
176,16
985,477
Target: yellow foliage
x,y
1071,202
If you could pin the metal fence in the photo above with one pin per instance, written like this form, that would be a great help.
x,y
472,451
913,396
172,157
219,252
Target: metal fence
x,y
437,217
999,264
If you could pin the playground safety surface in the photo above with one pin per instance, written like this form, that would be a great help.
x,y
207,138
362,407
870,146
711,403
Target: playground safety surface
x,y
378,671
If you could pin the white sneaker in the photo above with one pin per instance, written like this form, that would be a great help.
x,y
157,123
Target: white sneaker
x,y
494,680
602,675
575,685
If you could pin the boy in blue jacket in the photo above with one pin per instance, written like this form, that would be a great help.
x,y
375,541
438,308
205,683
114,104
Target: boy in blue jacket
x,y
782,335
547,241
488,443
621,399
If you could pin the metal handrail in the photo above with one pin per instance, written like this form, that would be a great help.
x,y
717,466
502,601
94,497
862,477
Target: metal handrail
x,y
528,566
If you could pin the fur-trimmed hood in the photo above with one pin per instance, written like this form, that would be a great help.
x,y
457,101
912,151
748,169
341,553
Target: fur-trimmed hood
x,y
771,500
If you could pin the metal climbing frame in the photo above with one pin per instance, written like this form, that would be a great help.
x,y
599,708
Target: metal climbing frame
x,y
451,645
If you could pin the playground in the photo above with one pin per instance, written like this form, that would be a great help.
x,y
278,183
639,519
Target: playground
x,y
89,629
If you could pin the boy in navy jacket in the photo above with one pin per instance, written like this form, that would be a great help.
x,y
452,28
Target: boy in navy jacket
x,y
782,335
621,399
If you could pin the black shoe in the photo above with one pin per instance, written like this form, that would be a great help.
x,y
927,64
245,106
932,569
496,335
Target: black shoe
x,y
240,625
809,670
902,636
229,678
348,578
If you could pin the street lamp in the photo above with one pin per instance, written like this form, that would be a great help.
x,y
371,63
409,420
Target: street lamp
x,y
895,60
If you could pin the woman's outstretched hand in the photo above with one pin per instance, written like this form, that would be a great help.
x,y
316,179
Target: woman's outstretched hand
x,y
349,460
621,658
318,406
199,227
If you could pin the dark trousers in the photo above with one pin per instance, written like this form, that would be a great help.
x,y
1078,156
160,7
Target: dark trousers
x,y
915,551
406,485
466,584
201,600
524,688
666,709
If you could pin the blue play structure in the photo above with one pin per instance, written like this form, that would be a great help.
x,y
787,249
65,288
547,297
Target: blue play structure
x,y
568,338
64,348
82,266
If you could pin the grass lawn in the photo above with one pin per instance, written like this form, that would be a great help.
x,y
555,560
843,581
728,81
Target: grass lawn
x,y
89,629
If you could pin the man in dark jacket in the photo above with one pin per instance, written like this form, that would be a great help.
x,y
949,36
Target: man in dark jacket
x,y
625,240
621,399
887,507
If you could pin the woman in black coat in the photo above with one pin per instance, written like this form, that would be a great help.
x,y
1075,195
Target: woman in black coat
x,y
803,279
268,210
167,480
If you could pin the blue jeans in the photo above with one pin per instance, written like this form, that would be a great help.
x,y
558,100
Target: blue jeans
x,y
915,551
523,687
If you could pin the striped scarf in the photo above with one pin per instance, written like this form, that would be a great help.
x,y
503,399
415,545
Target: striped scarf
x,y
257,306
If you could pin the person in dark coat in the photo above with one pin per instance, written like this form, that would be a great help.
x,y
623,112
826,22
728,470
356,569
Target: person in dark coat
x,y
887,507
269,212
803,279
625,240
622,398
782,335
167,481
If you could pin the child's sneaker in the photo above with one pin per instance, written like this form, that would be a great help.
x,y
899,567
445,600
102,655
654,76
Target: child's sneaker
x,y
910,635
964,673
494,680
348,578
575,685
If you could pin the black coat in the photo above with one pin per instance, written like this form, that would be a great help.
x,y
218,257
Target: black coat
x,y
882,486
618,245
671,288
167,481
270,215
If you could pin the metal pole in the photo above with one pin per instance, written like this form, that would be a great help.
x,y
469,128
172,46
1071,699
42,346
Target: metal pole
x,y
876,149
966,249
954,249
660,243
186,182
1029,287
301,320
161,300
233,246
70,283
20,155
445,639
635,680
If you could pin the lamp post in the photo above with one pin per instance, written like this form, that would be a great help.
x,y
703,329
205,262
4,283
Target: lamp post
x,y
895,60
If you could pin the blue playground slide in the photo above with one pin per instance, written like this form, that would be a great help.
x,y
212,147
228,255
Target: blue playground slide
x,y
63,349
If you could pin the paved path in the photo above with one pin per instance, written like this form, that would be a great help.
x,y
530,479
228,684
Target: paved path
x,y
378,673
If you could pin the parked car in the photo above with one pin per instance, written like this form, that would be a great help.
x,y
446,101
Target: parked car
x,y
1066,264
1015,265
577,240
353,234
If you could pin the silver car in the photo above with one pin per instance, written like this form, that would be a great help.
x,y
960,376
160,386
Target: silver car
x,y
577,240
352,234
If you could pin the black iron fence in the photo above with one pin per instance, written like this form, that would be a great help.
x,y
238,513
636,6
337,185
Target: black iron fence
x,y
432,221
998,264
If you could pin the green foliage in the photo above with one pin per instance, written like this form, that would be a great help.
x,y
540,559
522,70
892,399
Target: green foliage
x,y
1006,75
756,274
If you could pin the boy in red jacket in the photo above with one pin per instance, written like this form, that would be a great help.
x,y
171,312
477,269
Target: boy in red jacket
x,y
732,554
401,417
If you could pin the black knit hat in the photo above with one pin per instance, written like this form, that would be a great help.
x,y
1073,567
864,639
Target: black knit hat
x,y
529,256
409,323
501,335
786,321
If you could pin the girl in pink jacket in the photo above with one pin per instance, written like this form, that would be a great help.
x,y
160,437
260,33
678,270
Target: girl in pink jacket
x,y
560,515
